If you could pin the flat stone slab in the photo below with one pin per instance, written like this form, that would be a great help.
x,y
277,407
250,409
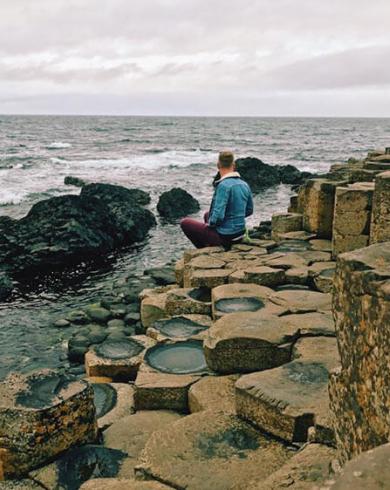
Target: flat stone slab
x,y
41,415
285,261
321,245
122,484
245,342
302,301
113,401
213,393
235,298
368,471
130,434
78,465
311,324
308,469
287,400
118,359
188,301
182,327
153,307
210,450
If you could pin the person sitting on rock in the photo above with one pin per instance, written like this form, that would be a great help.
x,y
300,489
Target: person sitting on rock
x,y
232,202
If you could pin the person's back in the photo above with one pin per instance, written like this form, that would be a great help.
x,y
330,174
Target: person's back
x,y
231,204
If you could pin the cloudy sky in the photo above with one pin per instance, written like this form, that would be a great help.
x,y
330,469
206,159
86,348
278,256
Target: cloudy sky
x,y
195,57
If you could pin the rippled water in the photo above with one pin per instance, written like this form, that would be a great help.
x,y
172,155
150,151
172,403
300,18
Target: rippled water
x,y
155,154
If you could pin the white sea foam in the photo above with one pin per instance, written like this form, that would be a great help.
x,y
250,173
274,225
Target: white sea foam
x,y
178,158
58,145
8,198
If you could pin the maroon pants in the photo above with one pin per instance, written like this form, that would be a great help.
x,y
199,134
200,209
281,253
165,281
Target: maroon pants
x,y
200,234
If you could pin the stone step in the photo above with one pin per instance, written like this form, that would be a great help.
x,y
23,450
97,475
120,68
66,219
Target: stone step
x,y
41,415
122,484
210,450
214,393
181,327
245,342
289,399
302,301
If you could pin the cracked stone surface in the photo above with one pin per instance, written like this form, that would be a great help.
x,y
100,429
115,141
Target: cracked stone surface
x,y
213,393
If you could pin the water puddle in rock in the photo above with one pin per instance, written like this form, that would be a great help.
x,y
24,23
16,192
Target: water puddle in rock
x,y
179,358
179,327
234,305
292,287
328,273
119,349
42,390
200,294
84,463
105,398
292,246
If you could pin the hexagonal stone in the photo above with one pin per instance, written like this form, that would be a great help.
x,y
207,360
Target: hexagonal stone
x,y
311,324
213,393
130,434
289,399
191,253
188,301
245,342
285,261
122,484
156,390
302,301
210,450
237,277
308,469
297,275
182,327
209,278
179,272
41,415
324,280
311,256
265,276
153,308
113,401
297,235
117,359
233,298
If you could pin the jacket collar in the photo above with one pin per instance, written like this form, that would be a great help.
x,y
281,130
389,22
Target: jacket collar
x,y
227,176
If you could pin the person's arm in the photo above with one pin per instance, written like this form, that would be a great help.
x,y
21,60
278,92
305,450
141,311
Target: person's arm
x,y
249,205
217,214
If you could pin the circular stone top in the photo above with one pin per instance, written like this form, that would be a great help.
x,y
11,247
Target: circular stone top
x,y
38,390
105,398
200,294
307,372
179,358
119,349
179,327
234,305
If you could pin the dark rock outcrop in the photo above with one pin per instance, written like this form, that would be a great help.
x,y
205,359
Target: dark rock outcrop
x,y
260,175
76,181
69,229
177,203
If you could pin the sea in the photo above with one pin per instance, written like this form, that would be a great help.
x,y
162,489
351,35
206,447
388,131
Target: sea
x,y
154,154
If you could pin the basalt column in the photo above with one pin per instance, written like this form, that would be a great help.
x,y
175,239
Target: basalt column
x,y
380,221
359,389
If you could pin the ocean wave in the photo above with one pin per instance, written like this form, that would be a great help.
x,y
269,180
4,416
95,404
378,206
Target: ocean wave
x,y
58,145
10,198
177,158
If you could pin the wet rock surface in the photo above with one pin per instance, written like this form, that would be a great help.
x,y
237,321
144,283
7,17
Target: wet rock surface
x,y
177,358
182,327
78,465
176,203
68,229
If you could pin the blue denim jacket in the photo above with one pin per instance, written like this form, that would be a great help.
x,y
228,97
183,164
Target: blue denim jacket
x,y
232,202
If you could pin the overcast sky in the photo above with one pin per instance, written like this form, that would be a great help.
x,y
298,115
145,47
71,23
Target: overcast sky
x,y
195,57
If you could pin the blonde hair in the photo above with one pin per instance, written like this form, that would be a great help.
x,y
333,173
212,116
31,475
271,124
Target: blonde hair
x,y
226,159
